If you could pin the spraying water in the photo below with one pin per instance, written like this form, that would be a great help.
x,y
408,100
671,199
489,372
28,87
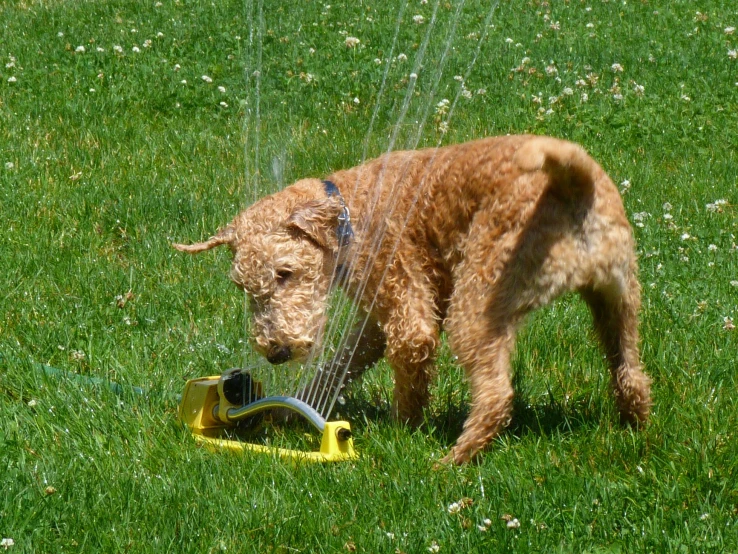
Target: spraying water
x,y
336,353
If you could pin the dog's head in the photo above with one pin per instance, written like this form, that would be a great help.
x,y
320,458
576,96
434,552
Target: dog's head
x,y
284,249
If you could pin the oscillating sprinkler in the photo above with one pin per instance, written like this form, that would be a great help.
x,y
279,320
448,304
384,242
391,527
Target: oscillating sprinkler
x,y
212,405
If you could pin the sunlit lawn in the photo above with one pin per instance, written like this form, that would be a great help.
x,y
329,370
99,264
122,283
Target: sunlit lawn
x,y
126,125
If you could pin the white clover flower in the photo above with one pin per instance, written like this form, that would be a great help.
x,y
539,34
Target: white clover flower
x,y
616,68
7,543
668,217
159,35
625,185
685,98
377,61
729,30
639,89
9,165
147,43
513,523
434,547
183,81
685,236
136,49
481,91
206,79
223,105
733,54
418,19
356,100
508,40
60,34
442,107
590,25
712,248
617,97
12,79
118,49
401,57
390,536
567,91
311,51
716,206
458,78
80,49
551,70
177,67
466,93
640,216
585,97
667,207
223,89
454,508
351,42
734,283
100,49
728,323
32,403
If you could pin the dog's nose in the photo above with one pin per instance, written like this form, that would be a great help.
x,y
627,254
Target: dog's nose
x,y
279,354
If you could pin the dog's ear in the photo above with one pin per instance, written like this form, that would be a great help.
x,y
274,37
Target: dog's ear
x,y
318,220
226,236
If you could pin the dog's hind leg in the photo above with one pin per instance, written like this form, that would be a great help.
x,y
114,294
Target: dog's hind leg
x,y
482,322
615,314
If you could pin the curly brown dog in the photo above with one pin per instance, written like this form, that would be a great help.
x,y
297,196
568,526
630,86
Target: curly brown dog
x,y
473,237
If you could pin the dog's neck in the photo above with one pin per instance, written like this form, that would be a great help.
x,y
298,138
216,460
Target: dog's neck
x,y
344,230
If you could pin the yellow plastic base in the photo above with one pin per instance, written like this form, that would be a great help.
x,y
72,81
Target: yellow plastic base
x,y
331,449
201,401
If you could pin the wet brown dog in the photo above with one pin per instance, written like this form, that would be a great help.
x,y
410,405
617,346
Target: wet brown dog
x,y
473,237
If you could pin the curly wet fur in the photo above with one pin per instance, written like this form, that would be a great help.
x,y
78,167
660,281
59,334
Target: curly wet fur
x,y
469,237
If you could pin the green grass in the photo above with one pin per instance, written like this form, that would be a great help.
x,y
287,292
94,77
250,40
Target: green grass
x,y
106,156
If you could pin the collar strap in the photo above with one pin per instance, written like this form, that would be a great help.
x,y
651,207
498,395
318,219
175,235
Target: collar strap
x,y
344,231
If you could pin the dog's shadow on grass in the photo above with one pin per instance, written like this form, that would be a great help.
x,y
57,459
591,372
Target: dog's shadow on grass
x,y
544,418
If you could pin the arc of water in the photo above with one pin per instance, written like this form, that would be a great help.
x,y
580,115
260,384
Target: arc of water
x,y
302,384
252,128
321,389
377,240
327,410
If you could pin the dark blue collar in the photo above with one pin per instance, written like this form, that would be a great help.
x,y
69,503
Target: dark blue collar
x,y
344,231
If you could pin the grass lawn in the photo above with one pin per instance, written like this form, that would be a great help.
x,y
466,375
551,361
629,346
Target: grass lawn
x,y
125,125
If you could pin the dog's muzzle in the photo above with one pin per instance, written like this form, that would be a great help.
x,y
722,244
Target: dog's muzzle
x,y
279,354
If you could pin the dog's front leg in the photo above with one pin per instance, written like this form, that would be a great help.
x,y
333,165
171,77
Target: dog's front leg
x,y
363,347
411,344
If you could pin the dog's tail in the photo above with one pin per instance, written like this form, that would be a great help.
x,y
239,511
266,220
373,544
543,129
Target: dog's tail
x,y
573,172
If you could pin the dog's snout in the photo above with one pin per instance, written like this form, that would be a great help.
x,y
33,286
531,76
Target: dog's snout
x,y
278,354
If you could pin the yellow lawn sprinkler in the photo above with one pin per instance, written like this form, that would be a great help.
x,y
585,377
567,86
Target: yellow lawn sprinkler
x,y
212,405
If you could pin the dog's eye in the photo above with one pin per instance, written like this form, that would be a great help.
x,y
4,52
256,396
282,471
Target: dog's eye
x,y
283,275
